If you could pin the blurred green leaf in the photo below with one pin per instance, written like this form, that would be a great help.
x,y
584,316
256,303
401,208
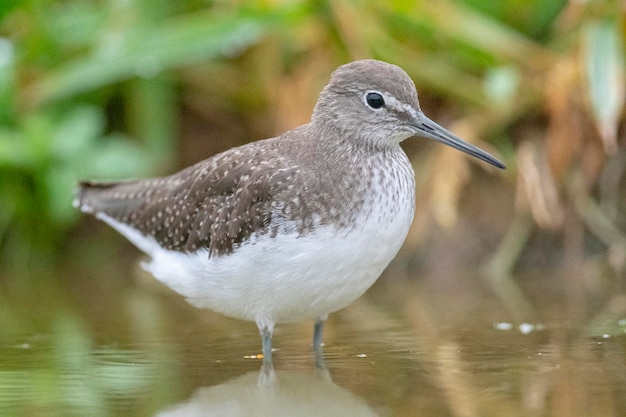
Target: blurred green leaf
x,y
79,128
501,84
529,16
7,6
117,157
74,25
38,131
482,32
604,64
14,151
7,81
59,191
151,114
145,52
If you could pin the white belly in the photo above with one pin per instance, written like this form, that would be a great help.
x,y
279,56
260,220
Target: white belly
x,y
284,278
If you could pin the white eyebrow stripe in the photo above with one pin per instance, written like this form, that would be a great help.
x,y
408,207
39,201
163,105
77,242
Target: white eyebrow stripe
x,y
394,103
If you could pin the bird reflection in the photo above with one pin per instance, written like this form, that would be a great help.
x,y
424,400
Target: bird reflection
x,y
273,393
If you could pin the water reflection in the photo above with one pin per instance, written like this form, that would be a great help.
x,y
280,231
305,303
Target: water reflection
x,y
278,393
398,351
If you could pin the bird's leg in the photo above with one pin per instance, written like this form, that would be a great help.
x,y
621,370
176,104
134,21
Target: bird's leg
x,y
266,334
266,329
317,342
317,333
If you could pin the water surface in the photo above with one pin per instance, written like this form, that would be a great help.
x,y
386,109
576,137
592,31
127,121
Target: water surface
x,y
128,347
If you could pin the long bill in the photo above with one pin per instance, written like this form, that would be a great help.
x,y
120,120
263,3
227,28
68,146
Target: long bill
x,y
431,130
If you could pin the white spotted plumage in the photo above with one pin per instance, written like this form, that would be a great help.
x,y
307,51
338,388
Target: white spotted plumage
x,y
291,277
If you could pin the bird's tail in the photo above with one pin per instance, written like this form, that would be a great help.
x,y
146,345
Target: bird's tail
x,y
86,197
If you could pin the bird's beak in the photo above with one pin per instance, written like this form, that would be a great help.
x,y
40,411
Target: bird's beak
x,y
431,130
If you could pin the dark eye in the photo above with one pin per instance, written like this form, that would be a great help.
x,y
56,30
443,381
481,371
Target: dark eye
x,y
375,100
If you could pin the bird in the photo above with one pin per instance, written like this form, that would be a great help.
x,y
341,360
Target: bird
x,y
293,227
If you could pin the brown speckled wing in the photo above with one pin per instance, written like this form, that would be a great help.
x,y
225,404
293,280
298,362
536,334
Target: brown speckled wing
x,y
215,204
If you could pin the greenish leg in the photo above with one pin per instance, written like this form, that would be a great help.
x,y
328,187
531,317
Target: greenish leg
x,y
317,342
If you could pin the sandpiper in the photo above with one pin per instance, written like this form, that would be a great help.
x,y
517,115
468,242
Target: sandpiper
x,y
289,228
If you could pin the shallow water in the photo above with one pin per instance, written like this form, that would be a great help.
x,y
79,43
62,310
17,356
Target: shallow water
x,y
408,348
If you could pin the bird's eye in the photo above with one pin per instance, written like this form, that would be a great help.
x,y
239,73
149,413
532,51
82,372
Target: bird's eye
x,y
374,100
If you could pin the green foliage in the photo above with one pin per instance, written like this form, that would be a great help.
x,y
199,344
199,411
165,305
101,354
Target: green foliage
x,y
92,89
